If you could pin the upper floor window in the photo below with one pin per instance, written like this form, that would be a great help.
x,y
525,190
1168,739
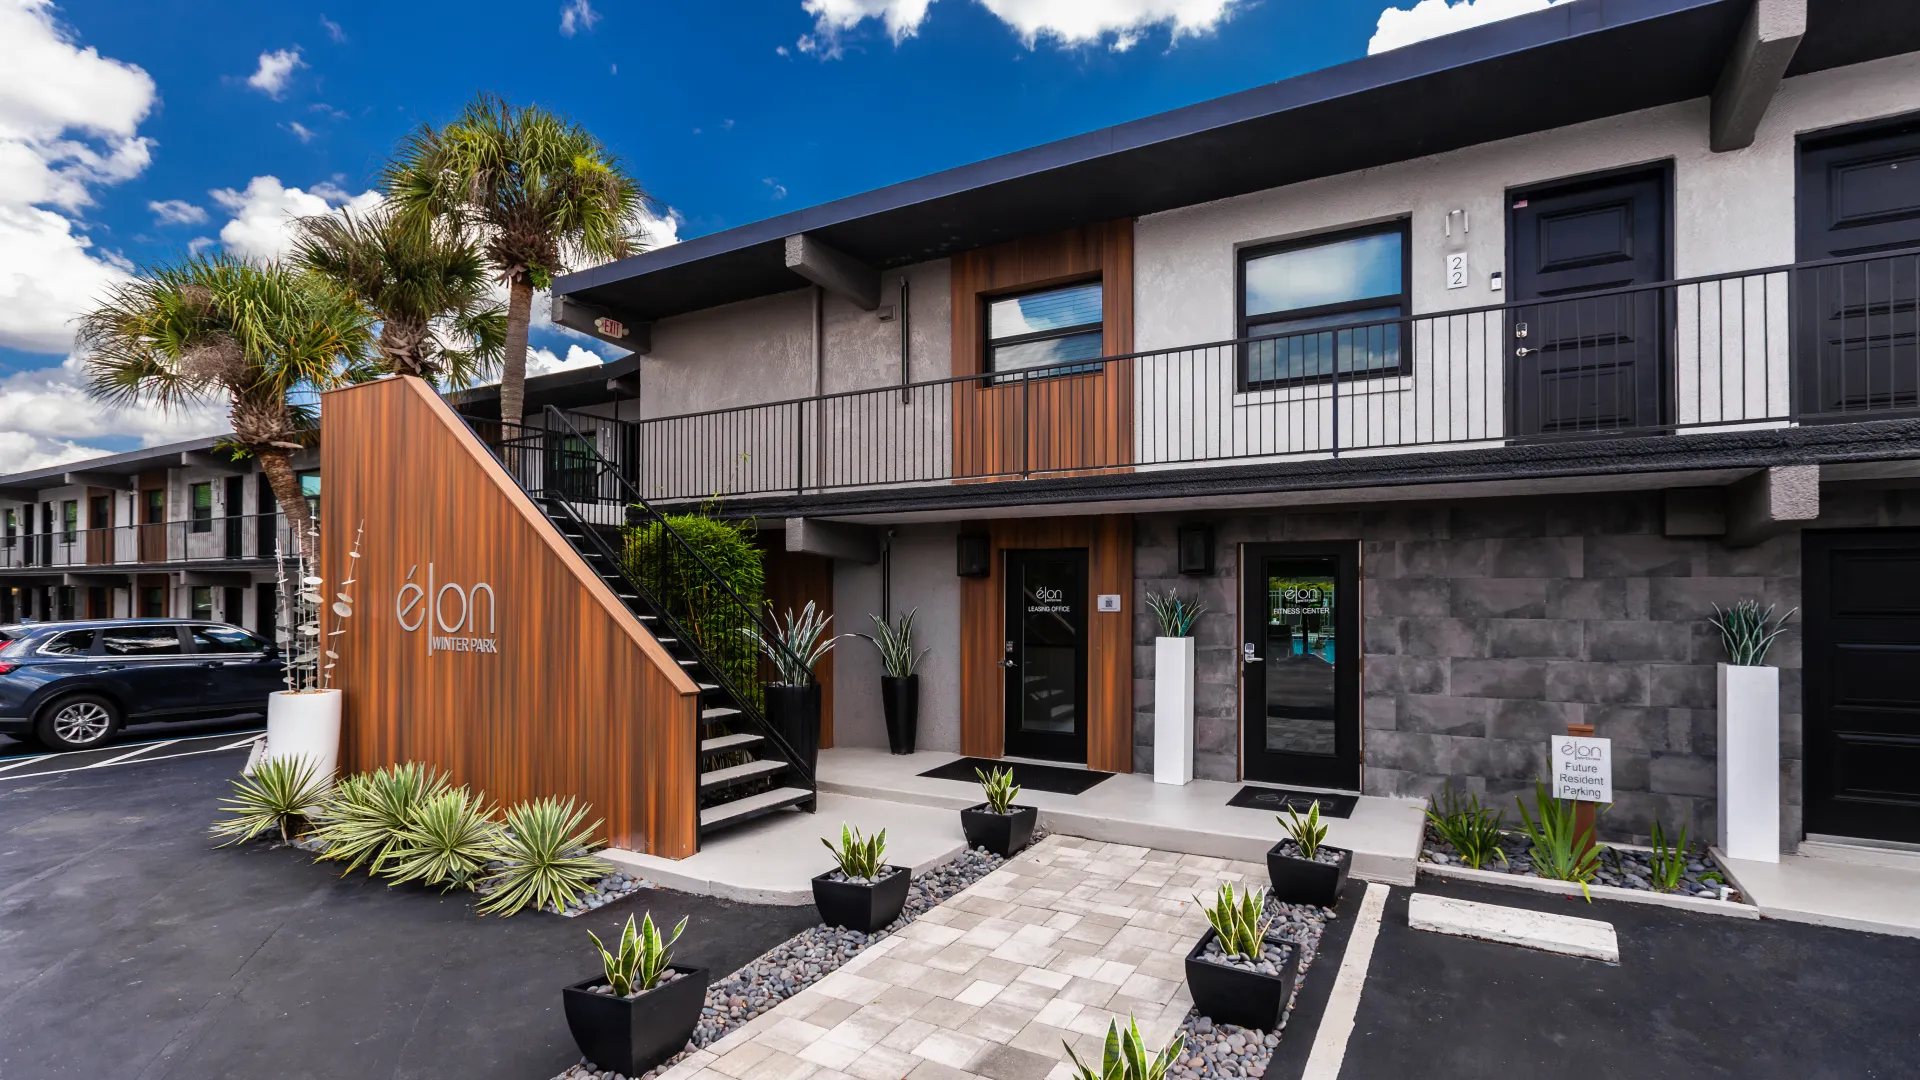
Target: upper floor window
x,y
1047,332
100,512
201,507
153,506
1291,294
10,518
69,520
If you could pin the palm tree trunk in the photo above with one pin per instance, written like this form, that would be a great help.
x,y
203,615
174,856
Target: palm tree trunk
x,y
513,373
286,491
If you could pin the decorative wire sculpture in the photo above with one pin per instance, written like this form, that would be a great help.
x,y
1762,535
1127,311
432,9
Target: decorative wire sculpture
x,y
306,644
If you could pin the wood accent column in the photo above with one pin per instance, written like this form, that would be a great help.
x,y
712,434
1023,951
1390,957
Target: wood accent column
x,y
1061,423
100,534
793,578
569,695
1109,543
152,542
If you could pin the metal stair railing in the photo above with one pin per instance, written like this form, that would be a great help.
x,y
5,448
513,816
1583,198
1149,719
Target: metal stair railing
x,y
725,659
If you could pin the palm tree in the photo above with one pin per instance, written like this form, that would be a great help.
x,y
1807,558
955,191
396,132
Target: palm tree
x,y
424,281
543,194
212,328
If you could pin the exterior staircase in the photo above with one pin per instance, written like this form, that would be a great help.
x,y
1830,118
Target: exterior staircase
x,y
746,769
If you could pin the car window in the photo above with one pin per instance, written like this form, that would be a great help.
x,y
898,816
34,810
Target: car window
x,y
69,643
225,639
140,641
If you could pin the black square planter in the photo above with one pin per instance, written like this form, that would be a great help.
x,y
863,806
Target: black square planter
x,y
631,1036
1002,834
1228,995
851,905
1302,881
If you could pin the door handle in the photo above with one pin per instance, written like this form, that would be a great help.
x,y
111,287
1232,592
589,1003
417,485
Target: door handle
x,y
1007,663
1523,351
112,667
1252,659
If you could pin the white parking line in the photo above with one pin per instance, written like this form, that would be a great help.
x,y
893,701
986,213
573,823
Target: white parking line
x,y
134,753
26,761
84,768
248,741
1336,1024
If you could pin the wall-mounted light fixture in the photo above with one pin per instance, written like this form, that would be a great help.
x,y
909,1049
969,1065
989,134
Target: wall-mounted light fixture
x,y
1195,549
973,557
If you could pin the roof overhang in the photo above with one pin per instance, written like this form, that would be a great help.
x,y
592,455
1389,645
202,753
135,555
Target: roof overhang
x,y
1568,64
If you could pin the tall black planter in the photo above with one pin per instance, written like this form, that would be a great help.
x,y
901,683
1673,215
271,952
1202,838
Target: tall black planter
x,y
794,712
900,698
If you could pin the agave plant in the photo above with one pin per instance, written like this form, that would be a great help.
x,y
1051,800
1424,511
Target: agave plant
x,y
860,857
448,841
1176,616
643,957
895,642
544,855
999,788
1126,1056
1239,921
1306,831
367,814
280,792
1748,632
795,644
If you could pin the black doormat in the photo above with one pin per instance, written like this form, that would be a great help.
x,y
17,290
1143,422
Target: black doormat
x,y
1280,800
1036,777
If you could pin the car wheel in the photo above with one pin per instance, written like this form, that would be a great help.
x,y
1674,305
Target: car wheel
x,y
78,722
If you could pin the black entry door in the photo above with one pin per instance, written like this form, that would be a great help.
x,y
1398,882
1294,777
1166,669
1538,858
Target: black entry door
x,y
1858,344
1046,657
1596,364
1863,684
1300,664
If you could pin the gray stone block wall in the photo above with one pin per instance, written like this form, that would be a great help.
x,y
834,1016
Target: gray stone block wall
x,y
1490,625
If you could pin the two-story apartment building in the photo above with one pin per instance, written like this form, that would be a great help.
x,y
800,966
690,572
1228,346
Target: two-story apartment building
x,y
1460,383
180,531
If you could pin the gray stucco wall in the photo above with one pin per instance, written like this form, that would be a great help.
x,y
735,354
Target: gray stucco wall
x,y
1489,625
923,578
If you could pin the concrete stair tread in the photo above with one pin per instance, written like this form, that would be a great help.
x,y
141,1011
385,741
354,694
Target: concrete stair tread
x,y
751,806
729,742
734,774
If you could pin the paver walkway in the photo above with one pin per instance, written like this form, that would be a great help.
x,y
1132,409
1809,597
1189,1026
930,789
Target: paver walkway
x,y
1042,952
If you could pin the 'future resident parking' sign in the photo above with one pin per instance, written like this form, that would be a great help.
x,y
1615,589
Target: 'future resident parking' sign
x,y
1582,768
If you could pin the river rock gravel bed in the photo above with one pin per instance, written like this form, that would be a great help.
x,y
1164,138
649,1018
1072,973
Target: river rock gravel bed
x,y
1623,868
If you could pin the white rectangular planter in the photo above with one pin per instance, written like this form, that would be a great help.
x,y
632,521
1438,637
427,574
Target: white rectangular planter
x,y
305,725
1750,762
1173,710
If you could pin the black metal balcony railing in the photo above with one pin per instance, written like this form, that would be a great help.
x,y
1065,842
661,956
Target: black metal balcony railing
x,y
217,539
1811,342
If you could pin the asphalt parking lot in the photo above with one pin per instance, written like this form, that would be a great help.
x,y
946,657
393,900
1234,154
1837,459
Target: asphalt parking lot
x,y
132,948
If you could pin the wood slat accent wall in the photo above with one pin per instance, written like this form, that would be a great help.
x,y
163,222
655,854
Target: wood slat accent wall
x,y
152,540
1109,543
100,534
579,700
1079,422
793,578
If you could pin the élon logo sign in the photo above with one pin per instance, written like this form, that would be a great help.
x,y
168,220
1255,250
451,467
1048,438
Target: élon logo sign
x,y
450,607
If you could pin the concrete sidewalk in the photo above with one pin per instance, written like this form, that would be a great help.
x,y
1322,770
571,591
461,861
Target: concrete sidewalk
x,y
1835,885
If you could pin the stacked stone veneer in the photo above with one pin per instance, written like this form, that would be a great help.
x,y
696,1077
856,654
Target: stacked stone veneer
x,y
1489,625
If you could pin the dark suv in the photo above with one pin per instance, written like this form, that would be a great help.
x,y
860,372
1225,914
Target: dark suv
x,y
73,685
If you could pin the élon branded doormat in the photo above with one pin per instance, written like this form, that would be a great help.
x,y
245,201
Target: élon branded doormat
x,y
1051,778
1280,800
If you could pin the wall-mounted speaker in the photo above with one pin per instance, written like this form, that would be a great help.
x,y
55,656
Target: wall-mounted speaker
x,y
1195,549
973,557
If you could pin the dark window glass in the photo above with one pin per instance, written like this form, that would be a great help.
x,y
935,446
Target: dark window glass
x,y
63,601
69,643
69,520
202,598
154,502
100,512
140,641
12,522
224,639
1046,332
1295,294
153,602
202,507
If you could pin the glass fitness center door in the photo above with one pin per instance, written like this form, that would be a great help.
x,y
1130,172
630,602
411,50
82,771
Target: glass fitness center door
x,y
1300,671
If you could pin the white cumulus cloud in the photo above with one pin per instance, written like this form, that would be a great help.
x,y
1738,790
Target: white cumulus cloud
x,y
176,212
46,418
576,16
69,122
1434,18
263,213
546,362
275,71
1119,24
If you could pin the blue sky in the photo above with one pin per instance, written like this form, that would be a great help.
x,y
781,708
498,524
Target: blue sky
x,y
137,130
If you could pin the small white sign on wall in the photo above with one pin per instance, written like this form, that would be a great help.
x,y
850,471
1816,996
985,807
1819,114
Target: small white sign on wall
x,y
1582,768
1109,601
1457,270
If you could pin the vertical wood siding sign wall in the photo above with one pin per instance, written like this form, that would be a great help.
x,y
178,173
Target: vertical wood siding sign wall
x,y
490,649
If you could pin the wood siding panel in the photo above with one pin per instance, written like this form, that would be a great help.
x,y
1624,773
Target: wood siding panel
x,y
152,542
1078,422
793,578
100,534
1109,543
579,700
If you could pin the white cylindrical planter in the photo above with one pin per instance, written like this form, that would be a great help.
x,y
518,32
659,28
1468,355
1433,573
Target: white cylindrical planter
x,y
305,724
1750,762
1172,710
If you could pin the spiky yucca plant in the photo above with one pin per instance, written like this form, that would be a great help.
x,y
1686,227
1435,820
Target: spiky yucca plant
x,y
1473,830
796,643
281,791
1175,616
999,788
367,814
448,841
544,851
860,858
643,957
895,642
1748,632
1240,922
1126,1056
